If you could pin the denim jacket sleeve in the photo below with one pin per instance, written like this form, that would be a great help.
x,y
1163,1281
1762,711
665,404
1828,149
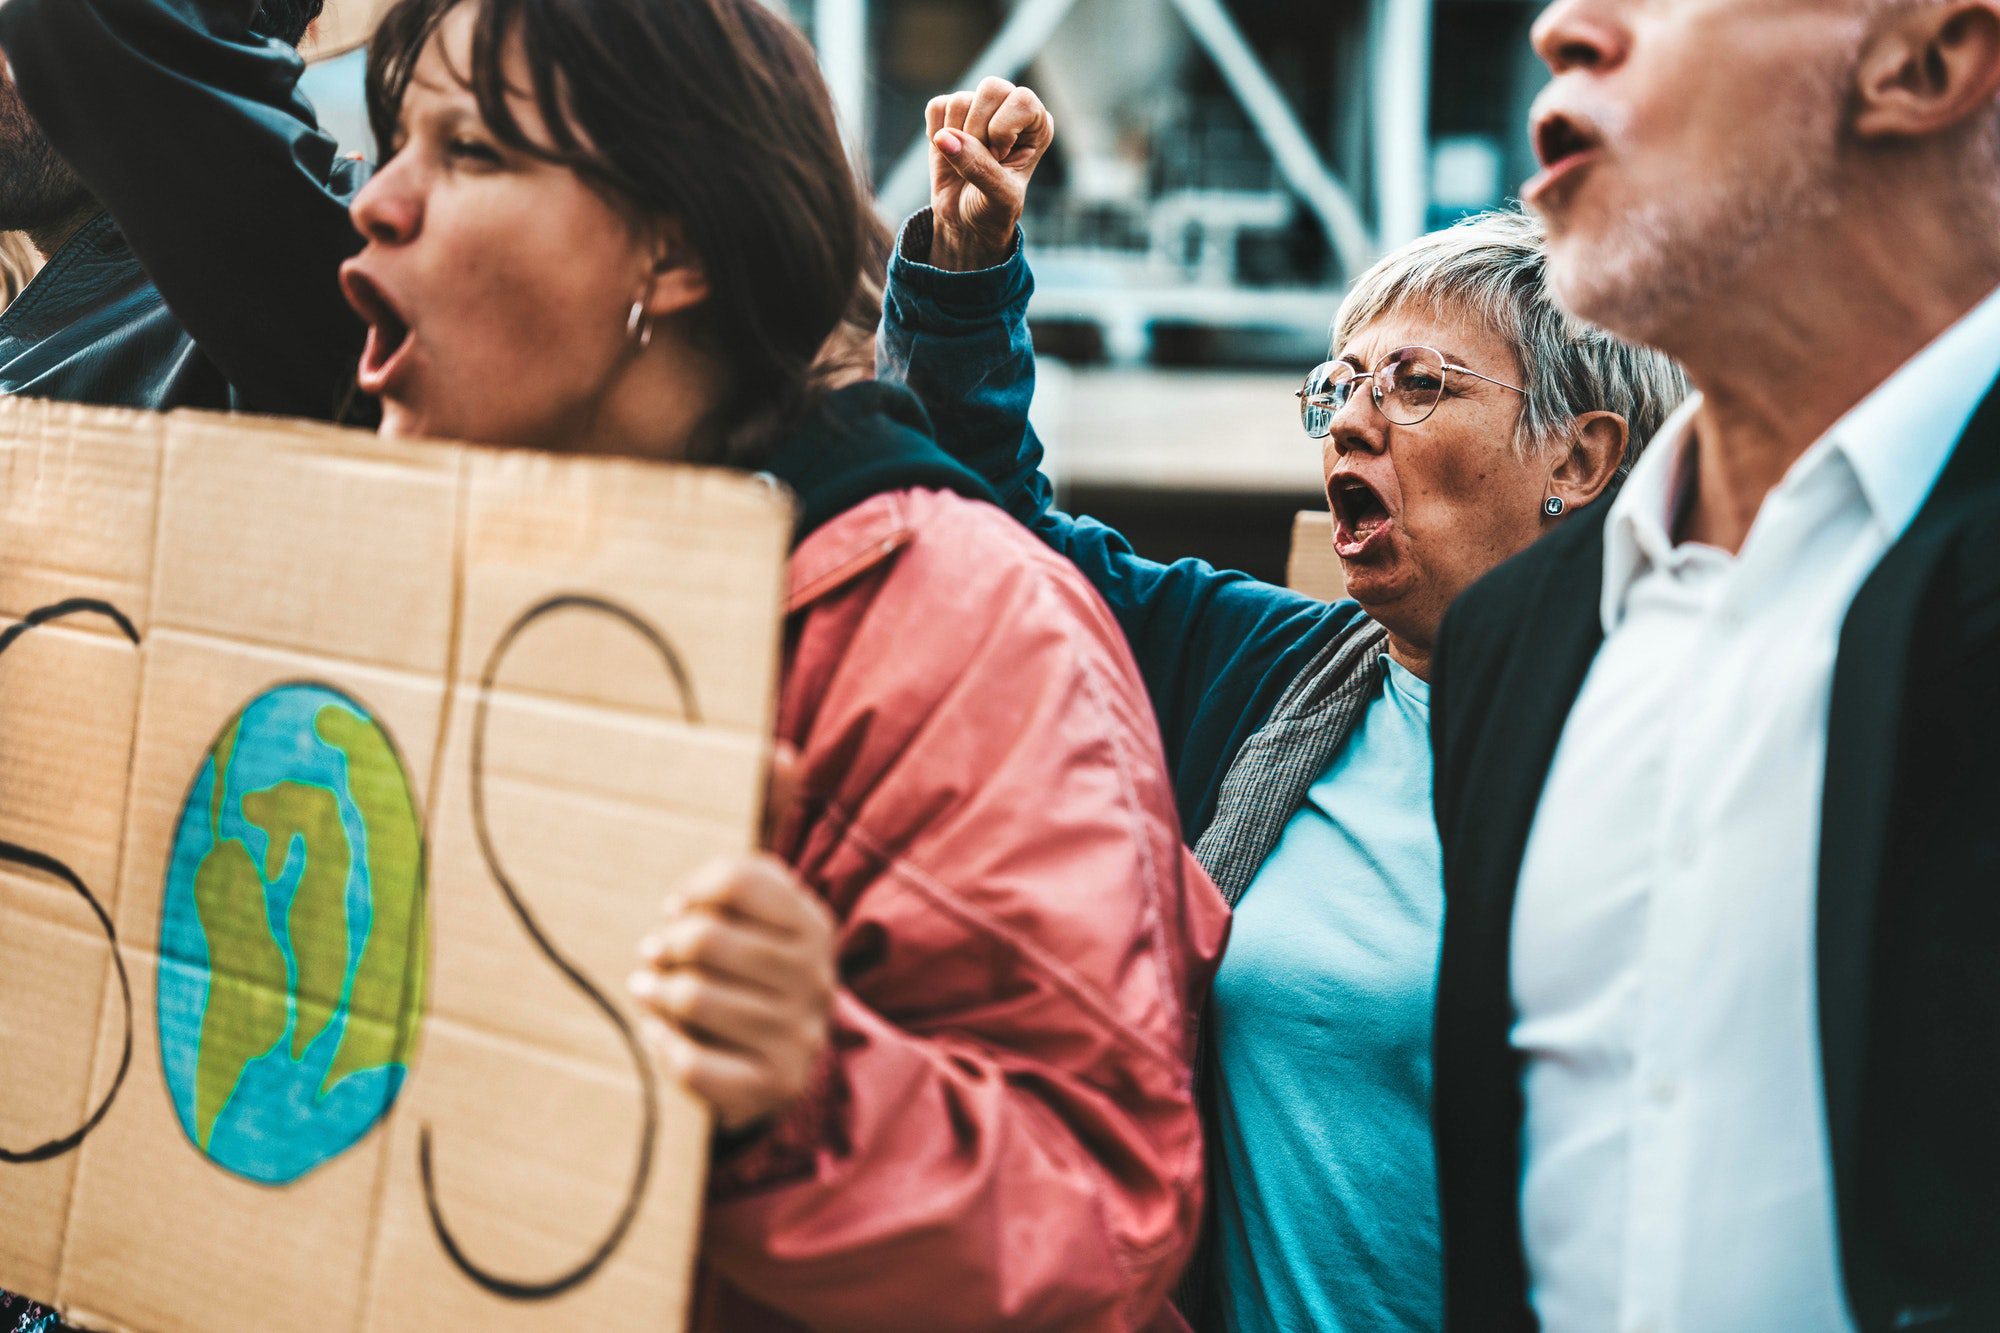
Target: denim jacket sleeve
x,y
192,133
1215,647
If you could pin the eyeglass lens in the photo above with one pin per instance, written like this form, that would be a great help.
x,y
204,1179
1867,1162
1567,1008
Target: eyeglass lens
x,y
1406,386
1327,390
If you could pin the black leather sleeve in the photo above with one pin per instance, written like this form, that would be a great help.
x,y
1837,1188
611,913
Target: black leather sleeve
x,y
192,133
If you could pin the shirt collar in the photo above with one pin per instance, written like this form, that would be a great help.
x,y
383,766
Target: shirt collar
x,y
1897,440
1636,535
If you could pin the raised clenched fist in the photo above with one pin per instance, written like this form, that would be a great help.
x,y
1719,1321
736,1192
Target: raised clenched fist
x,y
985,146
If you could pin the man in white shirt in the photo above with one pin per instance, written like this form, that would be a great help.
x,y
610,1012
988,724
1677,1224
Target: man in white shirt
x,y
1719,766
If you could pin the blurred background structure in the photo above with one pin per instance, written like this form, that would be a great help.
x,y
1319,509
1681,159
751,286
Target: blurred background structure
x,y
1222,169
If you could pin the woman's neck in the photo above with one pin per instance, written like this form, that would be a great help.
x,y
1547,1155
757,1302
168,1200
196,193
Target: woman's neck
x,y
658,401
1414,658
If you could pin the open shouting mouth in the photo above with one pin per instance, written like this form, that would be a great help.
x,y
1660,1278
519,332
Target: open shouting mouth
x,y
390,337
1566,146
1361,518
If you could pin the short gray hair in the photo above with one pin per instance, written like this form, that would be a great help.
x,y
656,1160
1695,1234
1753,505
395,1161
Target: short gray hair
x,y
1492,267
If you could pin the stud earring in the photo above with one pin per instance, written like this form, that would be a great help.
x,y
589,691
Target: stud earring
x,y
637,327
1554,506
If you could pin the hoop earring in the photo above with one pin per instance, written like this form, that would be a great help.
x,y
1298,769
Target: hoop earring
x,y
1554,506
637,327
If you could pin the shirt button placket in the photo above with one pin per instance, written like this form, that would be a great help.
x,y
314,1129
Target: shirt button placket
x,y
1654,1225
1686,849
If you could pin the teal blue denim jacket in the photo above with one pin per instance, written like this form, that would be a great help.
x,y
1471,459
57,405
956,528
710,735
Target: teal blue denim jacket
x,y
1217,649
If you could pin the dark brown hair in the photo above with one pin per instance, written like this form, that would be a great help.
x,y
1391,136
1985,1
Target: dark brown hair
x,y
712,112
286,20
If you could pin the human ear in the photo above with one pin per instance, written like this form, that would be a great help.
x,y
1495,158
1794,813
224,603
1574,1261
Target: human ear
x,y
677,277
1590,460
1928,70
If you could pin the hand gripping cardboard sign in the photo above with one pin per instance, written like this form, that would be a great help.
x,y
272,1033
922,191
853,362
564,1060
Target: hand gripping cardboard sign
x,y
338,782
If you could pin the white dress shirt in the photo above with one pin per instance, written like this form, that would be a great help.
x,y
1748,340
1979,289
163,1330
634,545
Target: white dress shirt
x,y
1677,1175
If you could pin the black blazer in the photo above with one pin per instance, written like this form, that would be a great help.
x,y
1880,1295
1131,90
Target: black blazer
x,y
1908,940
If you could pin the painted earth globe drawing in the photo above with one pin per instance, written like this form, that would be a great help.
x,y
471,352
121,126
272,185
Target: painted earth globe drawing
x,y
293,936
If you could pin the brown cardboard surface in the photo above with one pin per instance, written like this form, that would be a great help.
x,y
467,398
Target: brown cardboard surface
x,y
53,952
519,1197
540,528
49,968
81,485
410,745
1313,568
292,512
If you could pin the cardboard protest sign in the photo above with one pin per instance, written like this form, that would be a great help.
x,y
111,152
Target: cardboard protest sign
x,y
374,761
1312,567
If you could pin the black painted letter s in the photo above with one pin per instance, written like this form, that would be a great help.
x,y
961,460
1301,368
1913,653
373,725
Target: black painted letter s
x,y
44,864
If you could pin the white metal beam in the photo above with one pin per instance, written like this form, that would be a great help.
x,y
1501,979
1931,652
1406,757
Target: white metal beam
x,y
840,34
1400,39
1278,125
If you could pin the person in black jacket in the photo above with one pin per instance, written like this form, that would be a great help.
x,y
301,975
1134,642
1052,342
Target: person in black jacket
x,y
1717,764
193,250
193,230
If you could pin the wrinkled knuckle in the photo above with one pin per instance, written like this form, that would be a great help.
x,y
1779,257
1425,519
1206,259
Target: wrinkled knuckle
x,y
700,1080
703,1083
697,885
781,1018
820,912
671,946
817,979
809,1038
682,997
742,876
761,868
803,1022
701,941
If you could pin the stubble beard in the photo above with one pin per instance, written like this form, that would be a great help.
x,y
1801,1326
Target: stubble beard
x,y
1670,262
37,188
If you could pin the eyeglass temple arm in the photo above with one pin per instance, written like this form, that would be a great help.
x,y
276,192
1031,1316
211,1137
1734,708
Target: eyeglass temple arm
x,y
1467,370
1303,396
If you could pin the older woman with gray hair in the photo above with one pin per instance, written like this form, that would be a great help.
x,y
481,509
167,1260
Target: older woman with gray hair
x,y
1462,415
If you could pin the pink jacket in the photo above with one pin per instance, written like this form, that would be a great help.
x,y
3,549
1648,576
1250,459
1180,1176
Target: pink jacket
x,y
1003,1134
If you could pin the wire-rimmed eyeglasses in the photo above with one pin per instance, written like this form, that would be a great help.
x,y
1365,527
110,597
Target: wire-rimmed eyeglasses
x,y
1406,386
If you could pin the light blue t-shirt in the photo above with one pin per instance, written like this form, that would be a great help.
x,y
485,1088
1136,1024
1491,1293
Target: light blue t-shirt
x,y
1327,1203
